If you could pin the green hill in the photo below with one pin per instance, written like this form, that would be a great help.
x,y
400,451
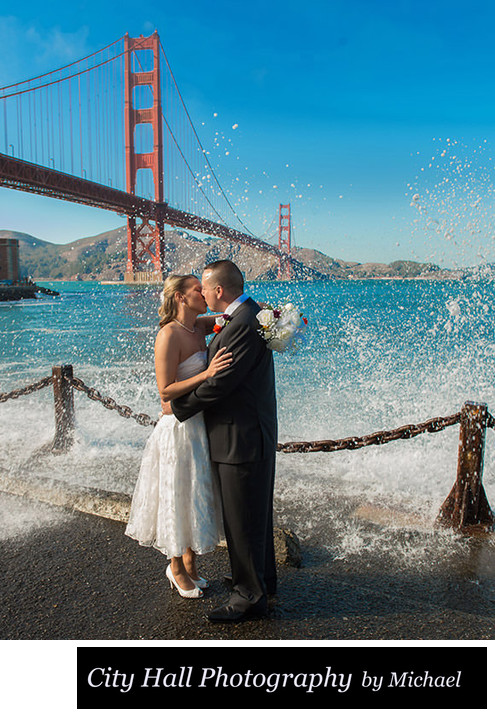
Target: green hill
x,y
104,257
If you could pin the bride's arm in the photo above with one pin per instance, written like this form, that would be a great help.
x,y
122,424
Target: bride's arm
x,y
206,322
167,355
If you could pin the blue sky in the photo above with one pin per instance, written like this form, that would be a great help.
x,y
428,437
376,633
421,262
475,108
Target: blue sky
x,y
350,109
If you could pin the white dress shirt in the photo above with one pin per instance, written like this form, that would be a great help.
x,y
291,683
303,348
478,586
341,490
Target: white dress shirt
x,y
235,304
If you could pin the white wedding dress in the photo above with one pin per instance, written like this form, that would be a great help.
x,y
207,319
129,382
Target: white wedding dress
x,y
175,503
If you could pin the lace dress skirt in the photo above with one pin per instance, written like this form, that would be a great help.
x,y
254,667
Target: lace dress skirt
x,y
176,504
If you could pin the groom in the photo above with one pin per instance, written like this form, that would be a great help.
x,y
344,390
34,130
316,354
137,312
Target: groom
x,y
240,415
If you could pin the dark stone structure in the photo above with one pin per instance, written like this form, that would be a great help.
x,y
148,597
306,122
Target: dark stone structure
x,y
9,260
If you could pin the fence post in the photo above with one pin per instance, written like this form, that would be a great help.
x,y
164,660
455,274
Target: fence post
x,y
64,408
466,507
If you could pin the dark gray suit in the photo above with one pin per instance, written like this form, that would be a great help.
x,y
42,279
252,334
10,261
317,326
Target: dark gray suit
x,y
241,420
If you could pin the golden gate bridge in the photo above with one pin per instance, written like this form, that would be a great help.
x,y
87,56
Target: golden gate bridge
x,y
111,130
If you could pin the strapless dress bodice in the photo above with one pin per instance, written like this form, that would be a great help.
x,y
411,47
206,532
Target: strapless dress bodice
x,y
192,365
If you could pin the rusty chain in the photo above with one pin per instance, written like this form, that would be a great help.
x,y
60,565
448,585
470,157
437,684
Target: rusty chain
x,y
436,424
110,403
44,382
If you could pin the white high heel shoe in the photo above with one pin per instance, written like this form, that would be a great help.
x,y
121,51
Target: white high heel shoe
x,y
201,582
191,593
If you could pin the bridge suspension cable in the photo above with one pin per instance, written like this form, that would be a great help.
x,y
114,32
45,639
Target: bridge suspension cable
x,y
266,235
59,79
177,145
201,145
66,119
65,134
60,69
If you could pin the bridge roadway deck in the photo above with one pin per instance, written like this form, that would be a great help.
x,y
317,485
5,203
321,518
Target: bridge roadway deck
x,y
68,575
33,178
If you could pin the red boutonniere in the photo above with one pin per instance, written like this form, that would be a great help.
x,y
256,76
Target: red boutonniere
x,y
221,322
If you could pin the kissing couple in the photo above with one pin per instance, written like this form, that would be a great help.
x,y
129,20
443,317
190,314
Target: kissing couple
x,y
208,468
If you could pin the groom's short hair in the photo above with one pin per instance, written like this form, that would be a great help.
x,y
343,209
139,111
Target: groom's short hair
x,y
226,274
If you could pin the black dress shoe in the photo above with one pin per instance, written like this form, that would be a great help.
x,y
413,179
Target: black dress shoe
x,y
271,589
232,613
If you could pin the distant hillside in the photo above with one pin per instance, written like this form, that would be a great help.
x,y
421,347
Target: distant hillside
x,y
104,257
337,268
96,257
37,258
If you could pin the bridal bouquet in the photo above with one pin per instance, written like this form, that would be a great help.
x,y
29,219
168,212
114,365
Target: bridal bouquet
x,y
281,326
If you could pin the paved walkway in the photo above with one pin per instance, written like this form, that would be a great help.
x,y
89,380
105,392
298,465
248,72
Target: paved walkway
x,y
68,575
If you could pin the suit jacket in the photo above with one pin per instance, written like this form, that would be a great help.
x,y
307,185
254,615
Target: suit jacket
x,y
239,403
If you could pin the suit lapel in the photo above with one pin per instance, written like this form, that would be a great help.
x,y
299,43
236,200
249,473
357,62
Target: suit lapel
x,y
211,346
248,304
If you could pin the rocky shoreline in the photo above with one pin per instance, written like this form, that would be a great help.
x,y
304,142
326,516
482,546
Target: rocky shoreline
x,y
24,291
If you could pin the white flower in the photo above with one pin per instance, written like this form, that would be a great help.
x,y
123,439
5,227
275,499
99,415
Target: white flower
x,y
220,321
265,318
290,320
285,334
278,345
280,328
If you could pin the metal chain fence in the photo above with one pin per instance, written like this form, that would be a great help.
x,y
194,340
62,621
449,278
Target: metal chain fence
x,y
435,424
44,382
110,403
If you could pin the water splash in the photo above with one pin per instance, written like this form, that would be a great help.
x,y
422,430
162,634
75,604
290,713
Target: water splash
x,y
378,354
453,197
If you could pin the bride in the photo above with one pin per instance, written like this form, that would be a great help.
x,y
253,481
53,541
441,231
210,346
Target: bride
x,y
175,507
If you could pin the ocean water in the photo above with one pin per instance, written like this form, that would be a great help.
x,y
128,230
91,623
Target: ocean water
x,y
376,355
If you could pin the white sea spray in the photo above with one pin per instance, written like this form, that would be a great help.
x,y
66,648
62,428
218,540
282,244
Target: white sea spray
x,y
377,355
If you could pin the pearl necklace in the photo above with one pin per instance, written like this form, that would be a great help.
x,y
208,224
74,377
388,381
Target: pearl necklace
x,y
185,326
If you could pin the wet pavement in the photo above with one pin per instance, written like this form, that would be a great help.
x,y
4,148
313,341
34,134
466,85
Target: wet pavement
x,y
69,575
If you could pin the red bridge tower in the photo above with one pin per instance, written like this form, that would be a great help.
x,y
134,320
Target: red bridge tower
x,y
145,240
284,235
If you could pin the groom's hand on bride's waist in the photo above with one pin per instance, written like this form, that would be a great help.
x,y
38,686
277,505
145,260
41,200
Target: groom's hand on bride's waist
x,y
179,408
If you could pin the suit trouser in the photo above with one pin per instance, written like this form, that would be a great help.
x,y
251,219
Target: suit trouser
x,y
247,503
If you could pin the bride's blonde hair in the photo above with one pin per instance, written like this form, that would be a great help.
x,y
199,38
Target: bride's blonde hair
x,y
173,284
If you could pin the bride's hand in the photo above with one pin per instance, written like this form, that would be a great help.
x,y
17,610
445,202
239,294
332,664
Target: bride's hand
x,y
166,409
219,362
